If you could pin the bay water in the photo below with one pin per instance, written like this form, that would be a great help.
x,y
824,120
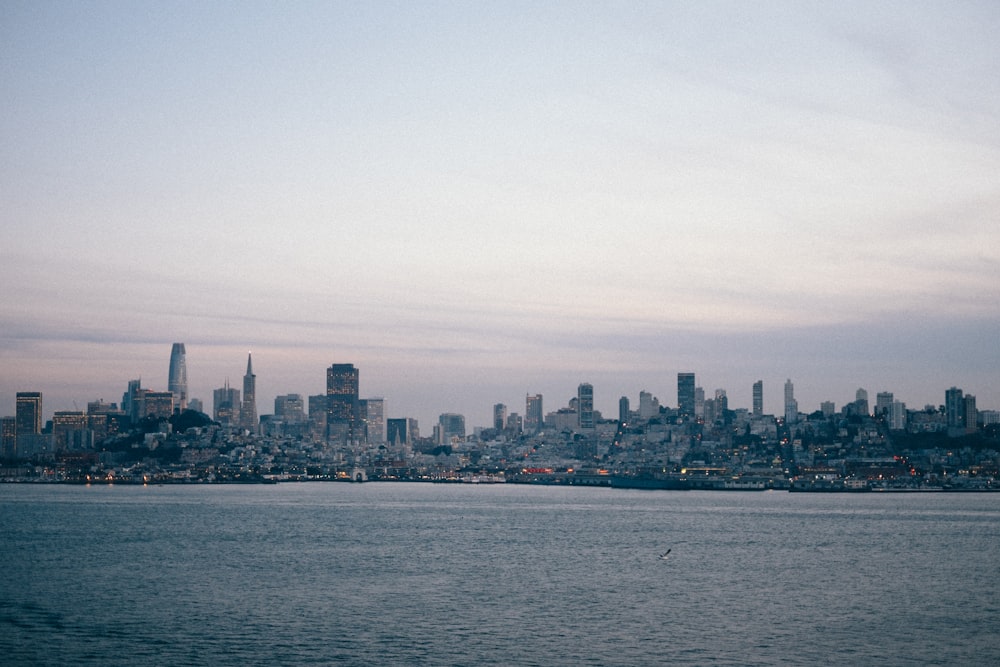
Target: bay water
x,y
463,574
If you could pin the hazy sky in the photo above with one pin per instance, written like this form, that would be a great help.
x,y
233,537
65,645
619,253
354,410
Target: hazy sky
x,y
473,201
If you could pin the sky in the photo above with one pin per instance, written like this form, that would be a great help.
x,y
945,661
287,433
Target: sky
x,y
475,201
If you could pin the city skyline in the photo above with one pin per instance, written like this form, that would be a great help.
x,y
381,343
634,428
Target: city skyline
x,y
345,380
472,204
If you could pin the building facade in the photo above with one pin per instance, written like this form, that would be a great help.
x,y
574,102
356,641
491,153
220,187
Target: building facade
x,y
28,412
685,394
534,417
585,406
248,407
177,377
343,423
758,398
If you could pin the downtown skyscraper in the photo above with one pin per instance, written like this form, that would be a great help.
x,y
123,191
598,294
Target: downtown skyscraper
x,y
758,398
177,382
343,423
533,416
685,394
585,406
248,408
28,418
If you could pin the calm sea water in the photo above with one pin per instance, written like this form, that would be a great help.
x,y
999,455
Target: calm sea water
x,y
419,574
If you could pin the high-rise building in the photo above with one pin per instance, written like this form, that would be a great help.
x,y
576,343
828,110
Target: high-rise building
x,y
29,412
954,407
450,426
897,416
373,416
8,437
791,405
177,381
102,417
971,415
515,424
699,405
623,410
159,404
721,402
707,409
317,416
533,415
758,398
649,406
69,430
883,403
499,416
130,400
861,401
401,432
585,405
343,422
248,407
226,405
290,408
828,408
685,394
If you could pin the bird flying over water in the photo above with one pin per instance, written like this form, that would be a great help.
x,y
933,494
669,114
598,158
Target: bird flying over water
x,y
664,555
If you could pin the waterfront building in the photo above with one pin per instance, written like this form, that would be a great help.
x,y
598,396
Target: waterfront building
x,y
758,398
534,418
343,423
585,405
248,407
499,416
28,412
685,394
177,377
226,405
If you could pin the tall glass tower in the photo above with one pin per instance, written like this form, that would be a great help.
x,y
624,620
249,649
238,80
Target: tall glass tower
x,y
177,382
758,398
29,412
685,394
585,405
